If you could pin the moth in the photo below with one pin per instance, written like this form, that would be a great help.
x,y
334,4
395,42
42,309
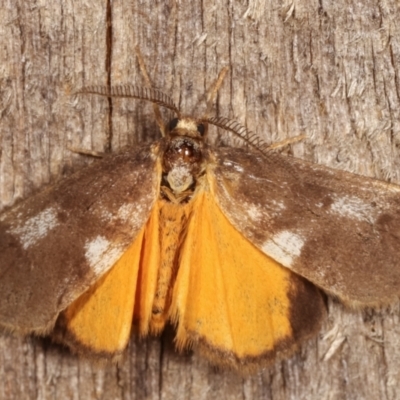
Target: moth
x,y
233,245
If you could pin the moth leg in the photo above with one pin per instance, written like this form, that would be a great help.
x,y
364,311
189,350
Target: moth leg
x,y
175,198
286,142
146,77
214,91
85,152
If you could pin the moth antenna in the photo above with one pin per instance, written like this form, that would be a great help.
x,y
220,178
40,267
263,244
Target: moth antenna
x,y
131,91
239,130
146,77
286,142
214,91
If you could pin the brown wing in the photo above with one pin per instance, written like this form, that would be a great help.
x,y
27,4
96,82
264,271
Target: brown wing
x,y
339,230
54,245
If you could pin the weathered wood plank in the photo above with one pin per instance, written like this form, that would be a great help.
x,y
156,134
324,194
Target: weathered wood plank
x,y
328,70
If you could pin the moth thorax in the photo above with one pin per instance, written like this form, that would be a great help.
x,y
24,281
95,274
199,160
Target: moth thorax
x,y
182,163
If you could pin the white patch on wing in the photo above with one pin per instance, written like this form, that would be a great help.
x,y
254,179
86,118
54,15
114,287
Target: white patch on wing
x,y
238,168
126,211
284,247
254,212
353,207
37,227
101,254
106,215
279,207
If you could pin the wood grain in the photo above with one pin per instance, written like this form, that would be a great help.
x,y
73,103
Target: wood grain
x,y
327,69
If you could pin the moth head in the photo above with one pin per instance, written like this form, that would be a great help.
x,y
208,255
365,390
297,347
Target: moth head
x,y
183,153
189,127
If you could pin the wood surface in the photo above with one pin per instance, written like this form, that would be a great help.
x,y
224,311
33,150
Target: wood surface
x,y
326,69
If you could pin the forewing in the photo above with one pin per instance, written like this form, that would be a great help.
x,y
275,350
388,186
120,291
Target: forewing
x,y
56,244
339,230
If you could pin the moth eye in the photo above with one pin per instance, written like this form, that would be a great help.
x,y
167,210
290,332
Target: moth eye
x,y
172,124
201,129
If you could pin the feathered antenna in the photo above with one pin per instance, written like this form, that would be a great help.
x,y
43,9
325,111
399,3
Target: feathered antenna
x,y
132,91
158,98
251,138
236,128
155,96
240,131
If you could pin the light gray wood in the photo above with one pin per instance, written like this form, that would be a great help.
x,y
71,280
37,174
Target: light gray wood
x,y
327,69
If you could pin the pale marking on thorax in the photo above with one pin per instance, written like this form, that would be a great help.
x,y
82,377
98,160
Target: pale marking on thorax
x,y
353,207
187,124
284,247
180,178
180,171
101,254
37,227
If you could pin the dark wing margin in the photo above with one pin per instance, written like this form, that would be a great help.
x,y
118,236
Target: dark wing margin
x,y
341,231
54,245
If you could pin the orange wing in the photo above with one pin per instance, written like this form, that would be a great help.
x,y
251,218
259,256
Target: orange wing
x,y
234,303
99,322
